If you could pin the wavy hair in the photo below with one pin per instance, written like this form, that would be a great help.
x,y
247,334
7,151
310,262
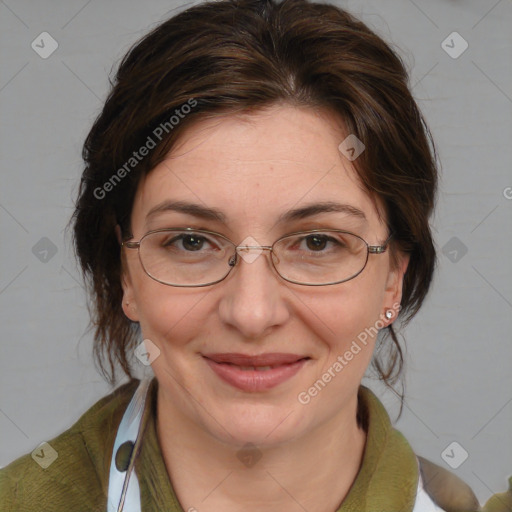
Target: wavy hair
x,y
239,56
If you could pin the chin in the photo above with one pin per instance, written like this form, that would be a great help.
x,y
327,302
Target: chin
x,y
257,424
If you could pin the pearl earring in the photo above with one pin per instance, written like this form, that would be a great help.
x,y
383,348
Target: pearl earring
x,y
389,314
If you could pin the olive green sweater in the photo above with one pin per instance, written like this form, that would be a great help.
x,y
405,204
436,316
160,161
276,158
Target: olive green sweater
x,y
77,480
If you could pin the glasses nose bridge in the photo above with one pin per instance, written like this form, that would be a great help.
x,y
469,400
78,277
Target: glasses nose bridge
x,y
263,247
247,249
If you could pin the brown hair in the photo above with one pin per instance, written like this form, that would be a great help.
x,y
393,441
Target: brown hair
x,y
238,56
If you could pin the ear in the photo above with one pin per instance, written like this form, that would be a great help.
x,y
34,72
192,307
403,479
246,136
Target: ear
x,y
129,303
395,280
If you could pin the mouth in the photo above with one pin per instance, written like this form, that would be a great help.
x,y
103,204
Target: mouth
x,y
255,373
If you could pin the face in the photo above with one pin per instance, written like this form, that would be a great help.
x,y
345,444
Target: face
x,y
253,170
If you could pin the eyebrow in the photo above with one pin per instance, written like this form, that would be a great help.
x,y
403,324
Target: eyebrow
x,y
214,214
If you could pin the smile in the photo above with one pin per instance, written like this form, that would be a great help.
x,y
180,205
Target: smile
x,y
236,370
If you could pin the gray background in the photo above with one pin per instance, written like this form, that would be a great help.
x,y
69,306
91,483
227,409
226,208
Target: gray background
x,y
459,350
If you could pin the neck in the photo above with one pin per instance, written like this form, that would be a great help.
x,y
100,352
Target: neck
x,y
313,472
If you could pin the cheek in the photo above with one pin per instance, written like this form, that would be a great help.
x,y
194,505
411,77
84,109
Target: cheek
x,y
352,306
167,312
350,314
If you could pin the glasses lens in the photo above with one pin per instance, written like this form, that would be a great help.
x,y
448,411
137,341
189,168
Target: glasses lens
x,y
320,258
185,258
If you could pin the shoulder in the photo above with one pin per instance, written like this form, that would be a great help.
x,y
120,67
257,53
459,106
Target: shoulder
x,y
70,470
452,494
445,489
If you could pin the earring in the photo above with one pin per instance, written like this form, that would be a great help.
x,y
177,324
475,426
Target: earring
x,y
389,314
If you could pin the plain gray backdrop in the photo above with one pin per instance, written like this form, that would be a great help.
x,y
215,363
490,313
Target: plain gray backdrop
x,y
459,350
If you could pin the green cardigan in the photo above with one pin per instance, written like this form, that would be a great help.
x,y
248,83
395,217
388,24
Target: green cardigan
x,y
77,480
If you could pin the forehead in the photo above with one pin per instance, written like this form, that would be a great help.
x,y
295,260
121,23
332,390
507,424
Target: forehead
x,y
253,168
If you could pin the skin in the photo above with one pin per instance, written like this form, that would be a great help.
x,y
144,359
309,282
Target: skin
x,y
254,168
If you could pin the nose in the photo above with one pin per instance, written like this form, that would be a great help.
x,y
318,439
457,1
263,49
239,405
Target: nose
x,y
252,294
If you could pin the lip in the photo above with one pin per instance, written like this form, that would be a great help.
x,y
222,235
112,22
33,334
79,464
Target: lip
x,y
228,368
269,359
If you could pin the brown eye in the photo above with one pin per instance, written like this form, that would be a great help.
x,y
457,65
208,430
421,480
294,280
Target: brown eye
x,y
192,242
316,242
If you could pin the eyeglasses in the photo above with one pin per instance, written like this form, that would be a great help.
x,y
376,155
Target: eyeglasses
x,y
196,257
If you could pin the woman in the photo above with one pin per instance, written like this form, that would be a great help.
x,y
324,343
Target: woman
x,y
253,218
